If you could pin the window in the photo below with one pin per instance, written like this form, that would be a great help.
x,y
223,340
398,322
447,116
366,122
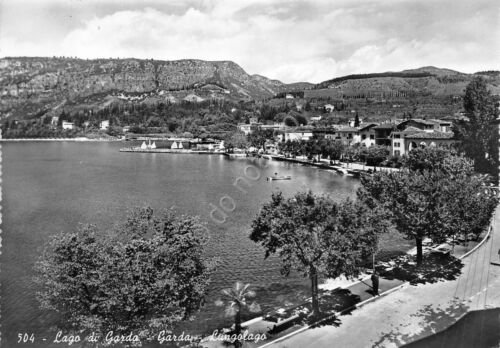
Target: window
x,y
397,152
372,136
396,144
397,136
363,136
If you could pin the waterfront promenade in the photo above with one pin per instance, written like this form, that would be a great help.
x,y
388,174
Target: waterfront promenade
x,y
415,312
403,313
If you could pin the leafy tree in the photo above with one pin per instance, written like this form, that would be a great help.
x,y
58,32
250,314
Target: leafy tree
x,y
301,119
237,300
429,158
478,135
144,276
290,121
334,149
259,137
374,155
412,198
435,197
316,236
236,140
356,120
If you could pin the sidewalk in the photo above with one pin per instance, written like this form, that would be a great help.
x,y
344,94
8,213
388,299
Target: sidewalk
x,y
415,312
350,297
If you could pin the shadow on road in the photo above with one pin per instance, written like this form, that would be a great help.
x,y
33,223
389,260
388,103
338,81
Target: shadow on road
x,y
435,267
431,320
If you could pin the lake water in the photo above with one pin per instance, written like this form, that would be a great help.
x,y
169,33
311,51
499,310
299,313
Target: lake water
x,y
52,186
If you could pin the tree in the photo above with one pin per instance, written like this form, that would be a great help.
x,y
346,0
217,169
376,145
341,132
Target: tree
x,y
356,120
237,298
334,149
316,236
236,140
259,137
478,135
429,196
374,155
429,158
413,200
142,277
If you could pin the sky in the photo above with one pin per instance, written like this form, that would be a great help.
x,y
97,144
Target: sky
x,y
288,40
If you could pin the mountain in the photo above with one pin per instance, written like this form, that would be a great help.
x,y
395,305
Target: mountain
x,y
422,81
35,86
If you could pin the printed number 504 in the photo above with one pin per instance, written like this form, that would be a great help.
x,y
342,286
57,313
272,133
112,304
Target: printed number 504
x,y
25,338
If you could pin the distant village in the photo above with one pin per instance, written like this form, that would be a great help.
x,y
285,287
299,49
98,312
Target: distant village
x,y
401,136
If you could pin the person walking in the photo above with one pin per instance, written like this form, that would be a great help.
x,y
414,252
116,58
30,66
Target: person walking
x,y
375,280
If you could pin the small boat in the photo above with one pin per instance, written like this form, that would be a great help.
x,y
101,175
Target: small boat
x,y
283,177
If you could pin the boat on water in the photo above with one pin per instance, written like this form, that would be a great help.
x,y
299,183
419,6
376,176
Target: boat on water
x,y
281,177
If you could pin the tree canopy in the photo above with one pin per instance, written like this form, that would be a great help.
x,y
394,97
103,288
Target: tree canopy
x,y
145,275
315,236
436,195
478,134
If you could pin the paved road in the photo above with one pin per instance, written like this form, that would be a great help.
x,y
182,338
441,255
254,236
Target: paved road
x,y
415,312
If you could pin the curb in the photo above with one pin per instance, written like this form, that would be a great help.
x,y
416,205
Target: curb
x,y
357,305
387,292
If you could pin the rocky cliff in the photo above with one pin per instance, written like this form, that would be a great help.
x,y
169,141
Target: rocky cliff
x,y
31,86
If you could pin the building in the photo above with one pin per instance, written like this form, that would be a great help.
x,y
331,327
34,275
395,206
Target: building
x,y
104,125
249,128
54,120
289,96
348,135
316,118
325,132
329,108
193,98
412,137
297,134
274,126
67,125
367,134
426,125
210,145
383,133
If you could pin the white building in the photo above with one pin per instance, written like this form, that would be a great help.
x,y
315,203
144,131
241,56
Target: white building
x,y
67,125
367,134
329,107
193,98
298,134
104,125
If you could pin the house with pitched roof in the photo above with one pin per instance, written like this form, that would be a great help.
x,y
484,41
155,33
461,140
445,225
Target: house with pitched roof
x,y
367,134
403,141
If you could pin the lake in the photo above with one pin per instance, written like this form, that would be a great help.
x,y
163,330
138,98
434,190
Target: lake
x,y
49,187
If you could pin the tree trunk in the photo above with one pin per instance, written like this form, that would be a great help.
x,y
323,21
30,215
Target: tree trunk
x,y
237,327
419,251
314,290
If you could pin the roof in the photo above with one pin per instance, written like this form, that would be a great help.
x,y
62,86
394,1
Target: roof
x,y
430,135
441,121
411,129
385,126
348,129
367,125
420,120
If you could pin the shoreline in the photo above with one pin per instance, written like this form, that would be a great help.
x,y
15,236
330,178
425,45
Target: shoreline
x,y
77,139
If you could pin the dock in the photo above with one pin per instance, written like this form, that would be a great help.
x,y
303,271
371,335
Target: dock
x,y
165,150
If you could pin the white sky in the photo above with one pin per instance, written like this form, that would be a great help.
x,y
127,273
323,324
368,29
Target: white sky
x,y
303,40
